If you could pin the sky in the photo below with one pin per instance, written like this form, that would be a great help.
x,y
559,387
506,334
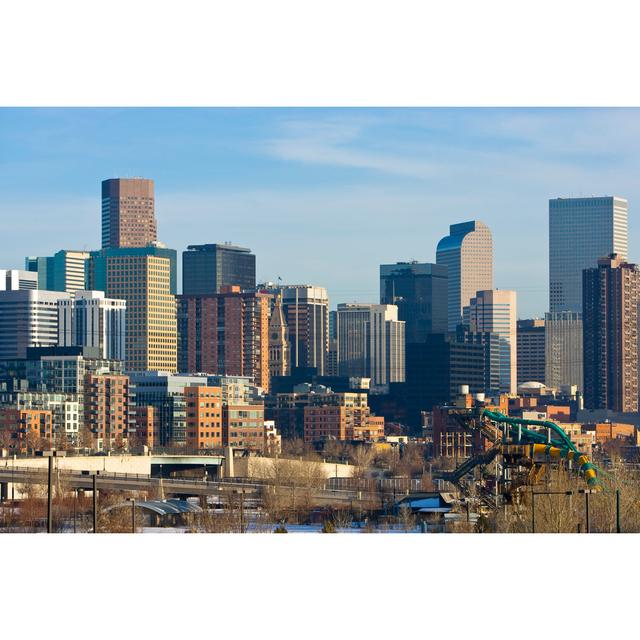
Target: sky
x,y
321,196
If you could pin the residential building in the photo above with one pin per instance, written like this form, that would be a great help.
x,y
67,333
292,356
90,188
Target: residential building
x,y
467,252
420,291
494,311
611,294
207,268
106,411
91,320
582,230
531,350
25,430
563,349
204,417
145,278
226,333
28,318
66,270
371,342
128,213
243,426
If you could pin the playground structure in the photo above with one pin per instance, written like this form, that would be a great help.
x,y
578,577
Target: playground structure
x,y
521,450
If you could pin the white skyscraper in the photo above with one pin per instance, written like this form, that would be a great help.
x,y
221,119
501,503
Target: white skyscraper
x,y
467,252
91,320
581,230
28,318
370,342
494,311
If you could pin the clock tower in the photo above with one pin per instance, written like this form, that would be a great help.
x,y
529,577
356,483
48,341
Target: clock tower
x,y
278,342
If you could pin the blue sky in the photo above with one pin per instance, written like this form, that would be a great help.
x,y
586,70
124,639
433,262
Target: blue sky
x,y
320,195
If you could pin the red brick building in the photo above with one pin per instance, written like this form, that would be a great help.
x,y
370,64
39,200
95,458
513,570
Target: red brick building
x,y
25,430
106,409
204,417
226,334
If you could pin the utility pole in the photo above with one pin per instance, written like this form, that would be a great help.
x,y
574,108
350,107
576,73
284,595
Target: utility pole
x,y
618,511
51,455
75,503
95,503
133,515
586,498
533,511
241,510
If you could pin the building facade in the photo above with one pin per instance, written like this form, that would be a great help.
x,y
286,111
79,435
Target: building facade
x,y
563,347
306,311
91,320
64,271
611,294
207,268
494,311
531,350
106,411
128,213
467,252
370,342
226,334
204,417
28,318
17,279
145,278
582,230
279,347
420,291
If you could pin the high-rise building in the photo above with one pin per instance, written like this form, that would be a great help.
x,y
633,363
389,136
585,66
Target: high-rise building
x,y
494,311
581,230
207,268
225,333
563,361
467,252
91,320
436,369
64,271
279,348
28,318
531,350
204,417
145,278
611,294
306,310
16,279
371,342
106,410
419,290
128,213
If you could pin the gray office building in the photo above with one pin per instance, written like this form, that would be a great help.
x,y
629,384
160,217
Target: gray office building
x,y
582,230
206,268
419,290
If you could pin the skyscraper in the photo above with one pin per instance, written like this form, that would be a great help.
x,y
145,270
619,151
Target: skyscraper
x,y
563,349
16,279
128,213
28,318
371,342
581,230
611,294
531,350
64,271
467,252
145,278
306,310
494,311
91,320
419,290
206,268
226,333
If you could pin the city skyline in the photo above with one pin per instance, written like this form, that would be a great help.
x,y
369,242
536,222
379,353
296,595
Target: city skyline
x,y
282,181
